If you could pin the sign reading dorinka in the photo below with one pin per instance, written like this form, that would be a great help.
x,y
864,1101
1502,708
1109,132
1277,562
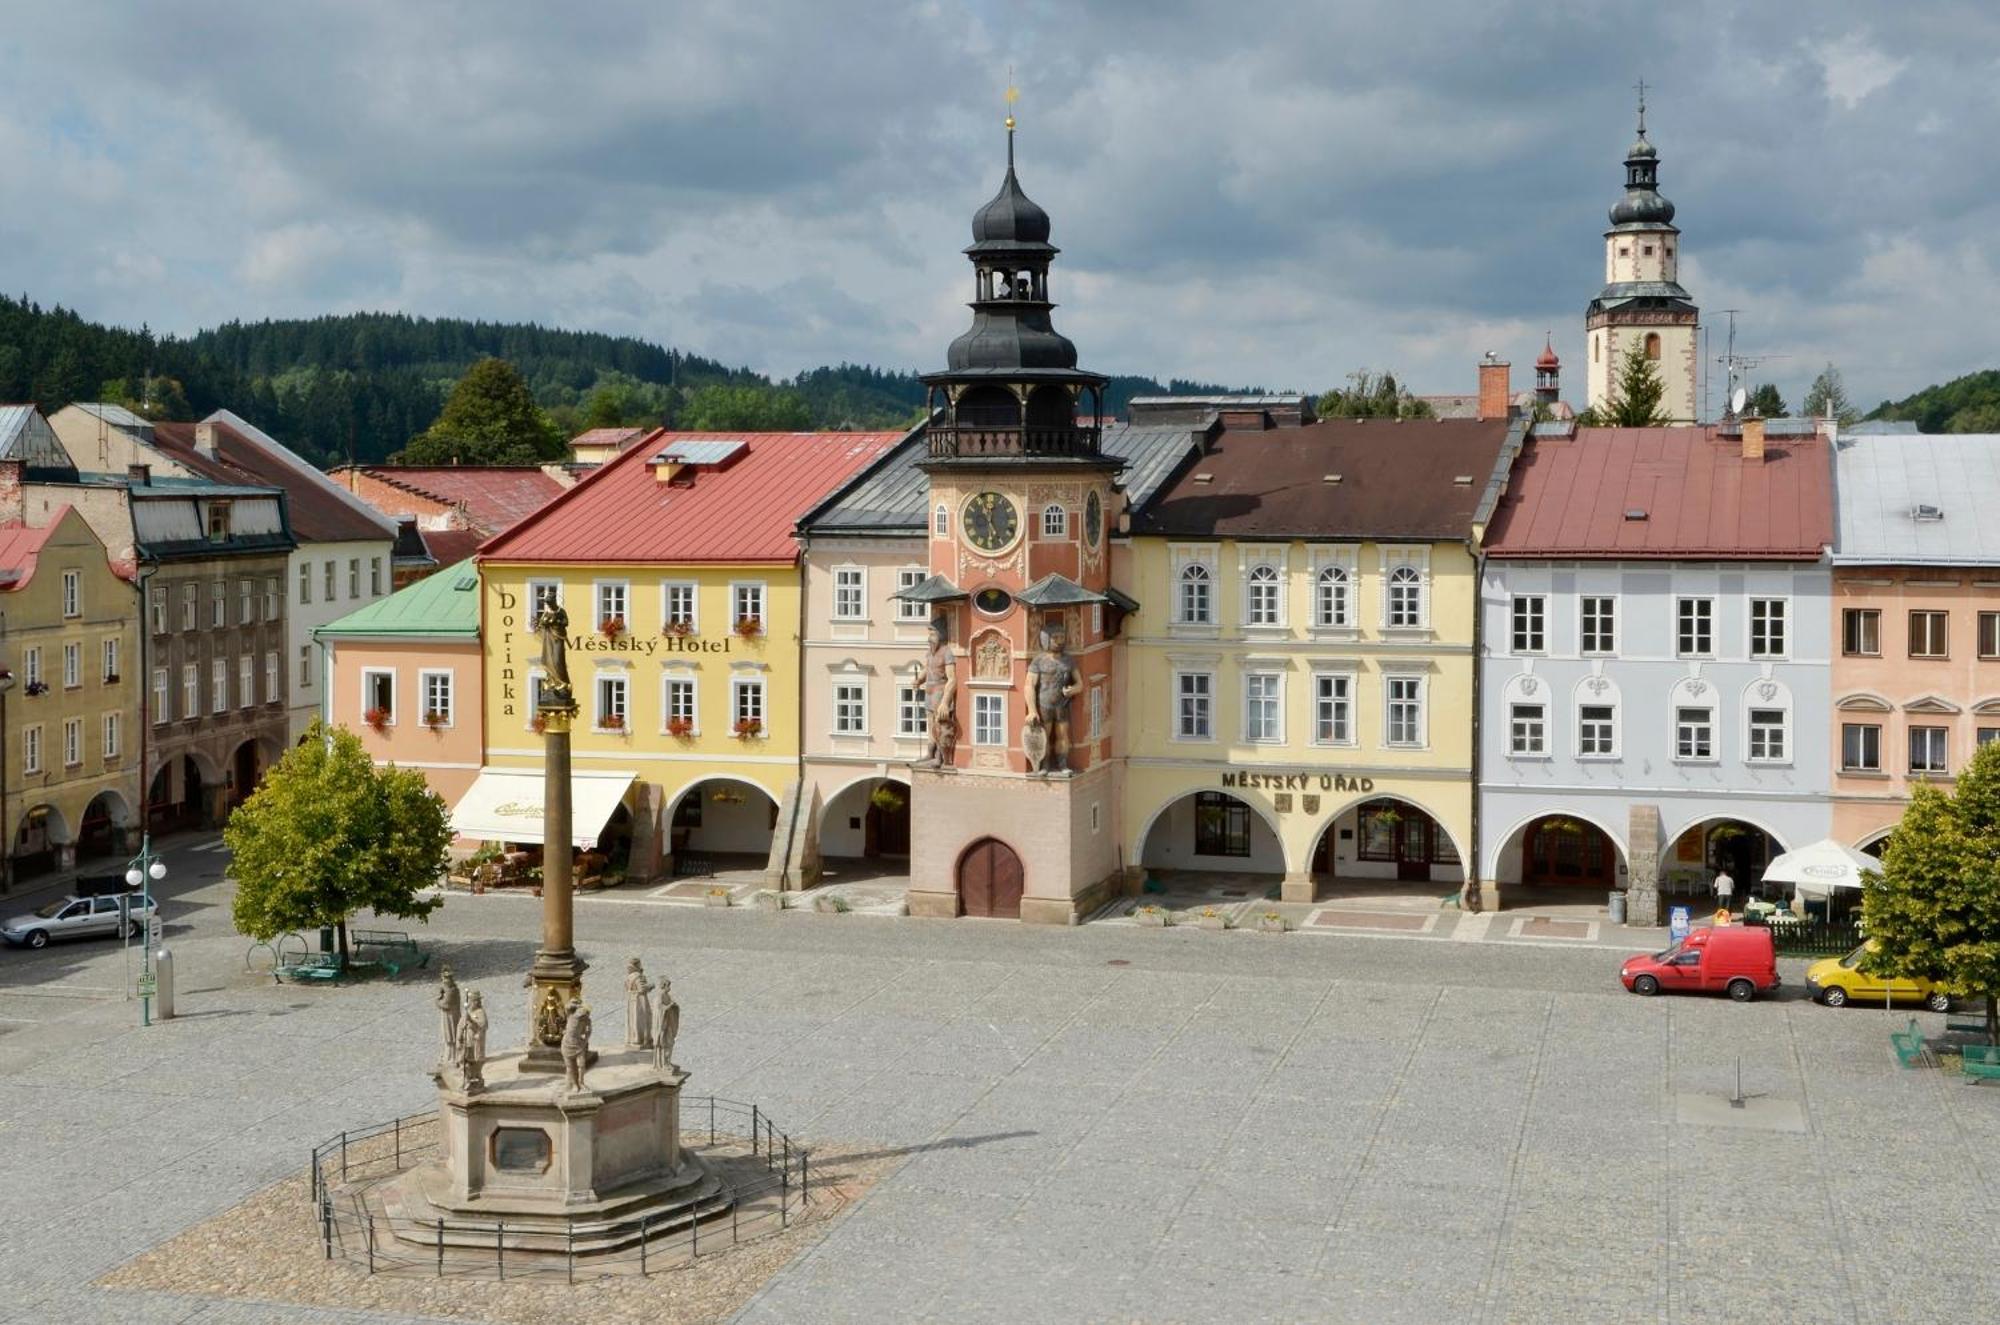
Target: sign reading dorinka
x,y
1298,782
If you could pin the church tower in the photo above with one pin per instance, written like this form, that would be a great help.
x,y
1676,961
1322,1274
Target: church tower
x,y
1642,306
1017,813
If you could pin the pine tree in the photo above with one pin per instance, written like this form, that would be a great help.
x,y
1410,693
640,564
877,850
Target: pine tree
x,y
1634,401
1826,398
1766,403
490,419
1934,911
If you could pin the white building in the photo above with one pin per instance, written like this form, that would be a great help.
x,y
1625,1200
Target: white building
x,y
1655,660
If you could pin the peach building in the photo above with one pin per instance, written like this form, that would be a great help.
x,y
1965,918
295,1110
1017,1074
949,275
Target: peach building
x,y
403,673
1916,596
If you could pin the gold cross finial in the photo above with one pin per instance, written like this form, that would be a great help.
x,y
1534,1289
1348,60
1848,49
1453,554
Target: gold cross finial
x,y
1013,95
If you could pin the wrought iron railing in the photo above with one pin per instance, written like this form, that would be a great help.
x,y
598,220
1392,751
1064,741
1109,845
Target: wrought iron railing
x,y
767,1181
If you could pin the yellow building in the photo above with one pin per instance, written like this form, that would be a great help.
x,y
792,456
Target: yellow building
x,y
1298,684
677,569
70,709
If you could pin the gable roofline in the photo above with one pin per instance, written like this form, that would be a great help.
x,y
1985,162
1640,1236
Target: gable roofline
x,y
868,471
291,459
640,450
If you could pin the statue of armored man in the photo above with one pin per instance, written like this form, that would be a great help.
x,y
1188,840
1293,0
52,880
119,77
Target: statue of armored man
x,y
1053,681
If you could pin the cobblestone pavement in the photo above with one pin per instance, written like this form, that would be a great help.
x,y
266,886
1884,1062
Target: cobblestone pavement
x,y
1105,1123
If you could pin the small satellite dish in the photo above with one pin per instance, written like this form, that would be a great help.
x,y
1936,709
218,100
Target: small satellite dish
x,y
1737,399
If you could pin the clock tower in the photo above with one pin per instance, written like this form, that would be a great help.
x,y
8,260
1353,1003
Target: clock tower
x,y
1017,813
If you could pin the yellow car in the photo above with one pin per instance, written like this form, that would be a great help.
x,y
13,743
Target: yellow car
x,y
1836,981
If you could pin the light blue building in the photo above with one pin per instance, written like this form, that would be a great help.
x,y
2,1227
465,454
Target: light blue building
x,y
1654,660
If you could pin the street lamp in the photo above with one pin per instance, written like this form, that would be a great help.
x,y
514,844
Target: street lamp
x,y
144,871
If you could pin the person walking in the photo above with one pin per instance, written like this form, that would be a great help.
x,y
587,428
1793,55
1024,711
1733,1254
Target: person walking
x,y
1725,890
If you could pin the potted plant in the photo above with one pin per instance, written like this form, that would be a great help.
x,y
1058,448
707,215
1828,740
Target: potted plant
x,y
749,627
1271,922
612,722
749,728
435,720
1153,917
681,729
717,896
678,629
377,717
36,688
1211,918
538,724
611,627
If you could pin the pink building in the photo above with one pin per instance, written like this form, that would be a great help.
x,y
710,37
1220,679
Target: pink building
x,y
1916,597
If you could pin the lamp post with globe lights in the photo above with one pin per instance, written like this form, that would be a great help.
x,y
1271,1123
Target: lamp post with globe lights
x,y
144,871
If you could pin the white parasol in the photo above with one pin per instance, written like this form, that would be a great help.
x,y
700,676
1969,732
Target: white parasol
x,y
1820,869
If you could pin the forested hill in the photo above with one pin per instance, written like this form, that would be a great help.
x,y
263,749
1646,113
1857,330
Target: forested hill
x,y
361,385
1964,404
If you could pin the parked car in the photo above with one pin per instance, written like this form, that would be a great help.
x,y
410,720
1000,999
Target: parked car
x,y
81,917
1738,960
1836,980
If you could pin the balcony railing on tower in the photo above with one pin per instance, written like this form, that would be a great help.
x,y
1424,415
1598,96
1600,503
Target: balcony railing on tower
x,y
952,442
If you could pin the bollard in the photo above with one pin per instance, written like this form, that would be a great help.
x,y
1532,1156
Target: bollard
x,y
694,1237
784,1197
643,1235
343,1157
440,1224
711,1120
163,982
754,1124
500,1247
569,1251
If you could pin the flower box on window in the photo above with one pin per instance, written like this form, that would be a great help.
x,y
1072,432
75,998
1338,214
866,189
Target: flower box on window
x,y
377,718
612,722
678,629
611,627
749,627
681,728
111,678
435,720
748,729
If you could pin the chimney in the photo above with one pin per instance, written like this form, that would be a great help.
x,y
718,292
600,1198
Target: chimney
x,y
13,505
1753,440
204,439
139,475
1493,392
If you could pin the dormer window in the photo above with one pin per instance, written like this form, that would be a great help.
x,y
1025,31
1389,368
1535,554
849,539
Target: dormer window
x,y
218,522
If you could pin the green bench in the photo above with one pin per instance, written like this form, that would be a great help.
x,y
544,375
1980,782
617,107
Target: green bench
x,y
396,948
1981,1062
1909,1043
323,966
1965,1026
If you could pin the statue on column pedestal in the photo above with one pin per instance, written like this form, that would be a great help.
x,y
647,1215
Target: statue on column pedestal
x,y
638,1007
552,624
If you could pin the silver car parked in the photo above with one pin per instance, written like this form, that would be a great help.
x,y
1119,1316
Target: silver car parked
x,y
81,917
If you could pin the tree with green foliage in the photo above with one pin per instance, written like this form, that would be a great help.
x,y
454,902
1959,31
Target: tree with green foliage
x,y
1826,398
1934,910
1765,402
722,408
329,834
1372,396
1634,400
490,419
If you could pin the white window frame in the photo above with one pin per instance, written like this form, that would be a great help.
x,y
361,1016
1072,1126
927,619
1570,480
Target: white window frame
x,y
305,666
1866,728
163,695
374,577
157,606
1097,713
1528,729
1421,698
370,672
941,521
913,717
1941,746
1705,727
110,659
111,735
246,681
1929,616
747,693
72,593
272,681
750,599
330,581
1752,729
672,687
31,665
271,605
1055,521
1194,594
218,685
611,693
191,690
1273,702
353,578
246,602
72,664
535,592
1591,641
190,605
429,680
1414,559
607,595
1535,630
1782,618
1585,731
669,613
305,582
989,720
1697,610
850,705
218,604
909,577
1333,708
1333,586
1202,696
850,594
1263,592
72,742
31,749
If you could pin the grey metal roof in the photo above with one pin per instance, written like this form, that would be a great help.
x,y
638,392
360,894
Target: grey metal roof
x,y
889,497
1054,590
116,415
1879,482
26,436
1222,402
930,589
1880,428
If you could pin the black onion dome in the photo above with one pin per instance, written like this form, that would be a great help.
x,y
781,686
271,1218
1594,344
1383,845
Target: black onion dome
x,y
1011,218
1642,206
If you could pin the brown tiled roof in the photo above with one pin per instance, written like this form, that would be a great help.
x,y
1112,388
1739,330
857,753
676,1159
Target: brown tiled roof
x,y
316,514
450,546
1417,479
1665,492
495,497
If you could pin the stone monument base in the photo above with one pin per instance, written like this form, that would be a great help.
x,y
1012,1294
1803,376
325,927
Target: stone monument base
x,y
565,1170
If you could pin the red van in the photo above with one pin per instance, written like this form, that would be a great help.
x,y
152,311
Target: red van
x,y
1738,959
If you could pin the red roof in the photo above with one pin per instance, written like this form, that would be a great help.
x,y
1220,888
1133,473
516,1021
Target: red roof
x,y
1547,358
21,548
448,547
742,510
317,515
495,497
1665,492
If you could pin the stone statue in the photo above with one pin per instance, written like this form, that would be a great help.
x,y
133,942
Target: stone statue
x,y
549,1017
448,1005
576,1043
552,624
474,1024
638,1007
669,1028
470,1055
940,683
1053,681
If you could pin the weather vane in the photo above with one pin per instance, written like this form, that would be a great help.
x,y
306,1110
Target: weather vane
x,y
1642,106
1013,95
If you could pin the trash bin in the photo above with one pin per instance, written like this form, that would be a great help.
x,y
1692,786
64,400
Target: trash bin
x,y
1617,904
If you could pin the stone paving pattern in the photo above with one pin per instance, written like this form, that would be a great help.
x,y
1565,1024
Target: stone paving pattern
x,y
1106,1123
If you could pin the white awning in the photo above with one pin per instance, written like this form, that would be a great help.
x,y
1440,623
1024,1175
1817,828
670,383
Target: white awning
x,y
505,805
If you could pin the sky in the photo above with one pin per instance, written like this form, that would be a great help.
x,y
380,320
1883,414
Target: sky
x,y
1273,194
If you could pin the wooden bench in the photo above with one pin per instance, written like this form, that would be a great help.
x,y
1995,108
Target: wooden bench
x,y
1981,1062
398,949
322,966
1909,1043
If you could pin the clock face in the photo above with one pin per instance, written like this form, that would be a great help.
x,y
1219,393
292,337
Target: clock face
x,y
1093,519
991,522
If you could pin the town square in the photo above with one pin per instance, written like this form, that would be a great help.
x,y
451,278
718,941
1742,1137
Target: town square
x,y
1331,705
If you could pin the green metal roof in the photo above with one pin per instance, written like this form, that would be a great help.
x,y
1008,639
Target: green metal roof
x,y
445,605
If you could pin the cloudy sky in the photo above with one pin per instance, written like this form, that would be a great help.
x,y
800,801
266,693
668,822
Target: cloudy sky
x,y
1271,193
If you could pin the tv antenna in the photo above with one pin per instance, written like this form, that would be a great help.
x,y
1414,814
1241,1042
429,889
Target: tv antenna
x,y
1734,365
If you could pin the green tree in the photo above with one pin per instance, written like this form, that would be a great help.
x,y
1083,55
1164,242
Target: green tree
x,y
721,408
490,419
329,834
1766,401
1827,398
1634,400
1372,396
1934,911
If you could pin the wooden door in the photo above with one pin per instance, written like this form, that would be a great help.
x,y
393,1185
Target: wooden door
x,y
1413,847
887,832
990,879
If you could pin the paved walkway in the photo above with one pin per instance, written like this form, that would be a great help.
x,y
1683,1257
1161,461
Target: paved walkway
x,y
1099,1123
